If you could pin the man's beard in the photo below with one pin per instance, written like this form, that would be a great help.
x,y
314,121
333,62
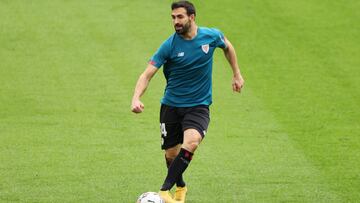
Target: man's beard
x,y
184,29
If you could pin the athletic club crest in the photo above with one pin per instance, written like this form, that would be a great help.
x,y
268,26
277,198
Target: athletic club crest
x,y
205,48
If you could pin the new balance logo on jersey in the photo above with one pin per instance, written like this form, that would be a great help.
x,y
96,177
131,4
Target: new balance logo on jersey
x,y
180,54
205,48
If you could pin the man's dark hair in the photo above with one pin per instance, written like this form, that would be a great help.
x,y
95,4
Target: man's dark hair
x,y
189,7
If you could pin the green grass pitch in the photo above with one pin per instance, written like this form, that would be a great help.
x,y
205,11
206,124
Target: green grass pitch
x,y
67,73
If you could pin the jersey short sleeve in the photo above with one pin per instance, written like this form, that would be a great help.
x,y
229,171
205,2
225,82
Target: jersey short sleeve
x,y
219,38
161,55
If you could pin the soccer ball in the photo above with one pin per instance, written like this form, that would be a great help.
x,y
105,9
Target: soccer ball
x,y
152,197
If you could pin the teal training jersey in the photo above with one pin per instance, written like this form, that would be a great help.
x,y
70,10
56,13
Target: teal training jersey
x,y
187,67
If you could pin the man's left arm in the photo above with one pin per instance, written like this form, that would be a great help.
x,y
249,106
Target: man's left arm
x,y
230,54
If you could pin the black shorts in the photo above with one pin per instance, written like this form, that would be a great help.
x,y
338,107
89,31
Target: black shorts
x,y
175,120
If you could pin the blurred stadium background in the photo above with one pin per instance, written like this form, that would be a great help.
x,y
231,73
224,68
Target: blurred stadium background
x,y
67,73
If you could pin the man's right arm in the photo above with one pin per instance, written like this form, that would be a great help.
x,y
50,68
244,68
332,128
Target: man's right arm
x,y
136,105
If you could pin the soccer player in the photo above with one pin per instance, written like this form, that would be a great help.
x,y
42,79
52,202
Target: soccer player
x,y
186,57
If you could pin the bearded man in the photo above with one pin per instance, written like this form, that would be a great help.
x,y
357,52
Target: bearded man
x,y
187,58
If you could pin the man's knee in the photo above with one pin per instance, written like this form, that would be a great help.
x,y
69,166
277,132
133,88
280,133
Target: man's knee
x,y
191,146
171,153
192,140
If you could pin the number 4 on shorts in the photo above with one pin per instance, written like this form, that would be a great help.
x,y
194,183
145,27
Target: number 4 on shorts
x,y
163,129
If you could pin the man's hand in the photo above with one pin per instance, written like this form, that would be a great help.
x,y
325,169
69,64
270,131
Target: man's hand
x,y
230,54
137,106
238,83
